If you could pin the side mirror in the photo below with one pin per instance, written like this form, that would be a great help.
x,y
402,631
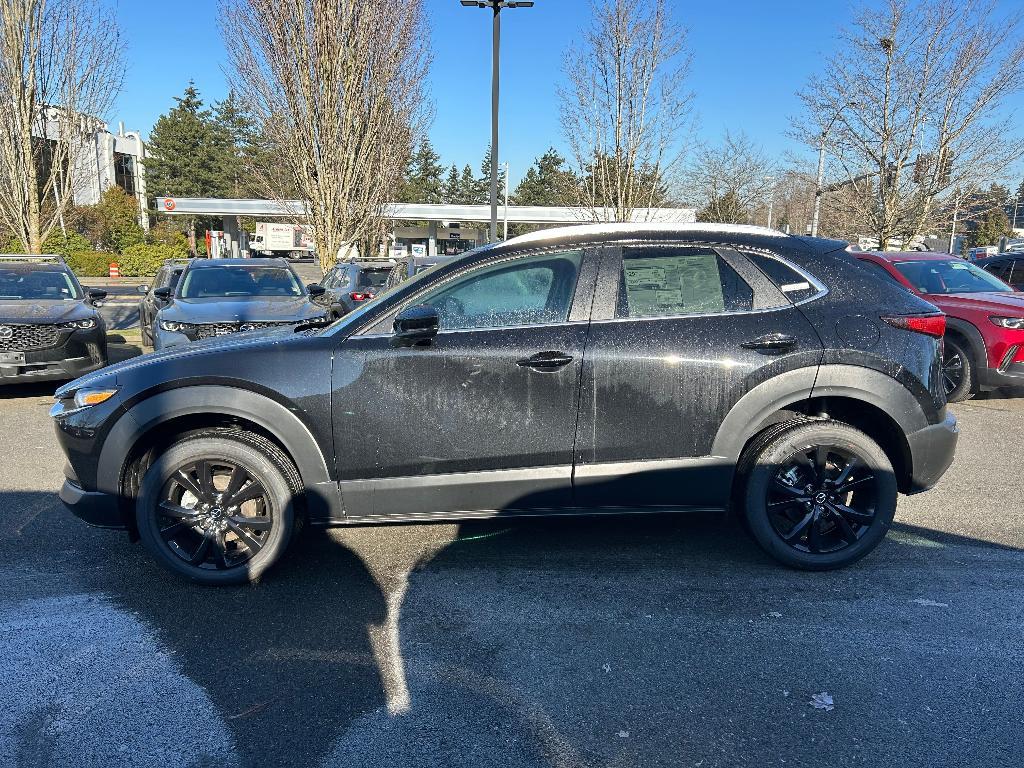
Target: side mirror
x,y
416,324
316,290
96,294
162,293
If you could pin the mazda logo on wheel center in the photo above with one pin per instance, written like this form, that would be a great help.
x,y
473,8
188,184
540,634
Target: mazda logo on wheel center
x,y
6,332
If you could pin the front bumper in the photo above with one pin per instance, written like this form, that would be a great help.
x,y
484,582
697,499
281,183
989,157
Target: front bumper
x,y
75,354
931,453
1010,376
95,508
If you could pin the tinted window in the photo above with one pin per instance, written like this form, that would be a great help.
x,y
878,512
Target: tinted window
x,y
528,291
228,281
373,278
794,285
949,276
658,282
39,284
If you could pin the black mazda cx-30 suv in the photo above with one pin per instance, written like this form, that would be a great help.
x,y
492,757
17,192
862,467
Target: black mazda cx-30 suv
x,y
594,370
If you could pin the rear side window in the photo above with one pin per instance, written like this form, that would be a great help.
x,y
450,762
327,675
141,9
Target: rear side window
x,y
662,282
794,286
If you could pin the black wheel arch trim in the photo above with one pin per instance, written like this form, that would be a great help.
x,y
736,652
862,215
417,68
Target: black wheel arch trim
x,y
146,414
975,341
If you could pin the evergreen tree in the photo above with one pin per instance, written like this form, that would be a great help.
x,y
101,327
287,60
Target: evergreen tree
x,y
482,192
185,155
993,225
239,144
470,191
547,182
451,191
424,176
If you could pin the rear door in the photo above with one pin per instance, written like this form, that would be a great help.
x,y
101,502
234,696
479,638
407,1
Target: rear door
x,y
680,333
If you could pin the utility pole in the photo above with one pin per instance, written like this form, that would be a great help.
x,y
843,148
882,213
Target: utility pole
x,y
496,6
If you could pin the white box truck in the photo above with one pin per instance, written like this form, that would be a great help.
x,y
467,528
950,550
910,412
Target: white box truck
x,y
289,240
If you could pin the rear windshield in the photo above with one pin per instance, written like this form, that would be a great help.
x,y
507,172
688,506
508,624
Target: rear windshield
x,y
228,281
37,284
949,276
373,278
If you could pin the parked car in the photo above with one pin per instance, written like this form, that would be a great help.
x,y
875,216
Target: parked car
x,y
586,370
1008,267
984,342
217,297
49,327
411,266
351,283
166,277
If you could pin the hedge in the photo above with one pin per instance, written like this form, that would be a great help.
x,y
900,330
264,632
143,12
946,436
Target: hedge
x,y
144,260
90,263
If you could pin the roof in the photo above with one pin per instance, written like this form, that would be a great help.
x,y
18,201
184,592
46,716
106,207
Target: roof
x,y
893,256
271,262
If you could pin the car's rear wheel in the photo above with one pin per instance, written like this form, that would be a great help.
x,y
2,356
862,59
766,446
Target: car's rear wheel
x,y
218,509
146,331
818,495
957,371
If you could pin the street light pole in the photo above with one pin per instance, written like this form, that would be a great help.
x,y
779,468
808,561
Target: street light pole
x,y
818,191
496,6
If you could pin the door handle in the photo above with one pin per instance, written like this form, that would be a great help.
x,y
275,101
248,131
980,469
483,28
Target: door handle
x,y
545,361
771,342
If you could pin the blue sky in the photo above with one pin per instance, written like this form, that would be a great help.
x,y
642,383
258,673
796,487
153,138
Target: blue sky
x,y
749,59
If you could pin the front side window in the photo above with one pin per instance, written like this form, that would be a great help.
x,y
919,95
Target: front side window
x,y
528,291
882,272
949,276
232,281
663,282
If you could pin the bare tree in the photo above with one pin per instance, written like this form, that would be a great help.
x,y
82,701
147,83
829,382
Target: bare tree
x,y
60,69
339,87
625,108
910,106
729,182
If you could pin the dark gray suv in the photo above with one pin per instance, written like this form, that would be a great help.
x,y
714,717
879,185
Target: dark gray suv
x,y
587,370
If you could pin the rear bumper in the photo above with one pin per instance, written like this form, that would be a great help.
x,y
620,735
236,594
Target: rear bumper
x,y
95,508
931,452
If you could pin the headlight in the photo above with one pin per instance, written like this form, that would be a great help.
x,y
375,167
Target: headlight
x,y
89,322
173,327
87,397
1016,323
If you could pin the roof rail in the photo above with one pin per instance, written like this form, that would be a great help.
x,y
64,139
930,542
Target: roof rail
x,y
27,258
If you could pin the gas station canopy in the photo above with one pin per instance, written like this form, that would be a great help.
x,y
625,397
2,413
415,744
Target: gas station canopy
x,y
516,214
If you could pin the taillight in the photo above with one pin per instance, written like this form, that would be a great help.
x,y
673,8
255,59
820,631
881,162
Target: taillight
x,y
360,296
929,325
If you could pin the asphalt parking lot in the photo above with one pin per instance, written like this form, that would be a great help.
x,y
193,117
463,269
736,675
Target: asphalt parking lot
x,y
662,640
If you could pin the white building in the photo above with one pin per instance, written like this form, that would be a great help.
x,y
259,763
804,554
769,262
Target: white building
x,y
104,159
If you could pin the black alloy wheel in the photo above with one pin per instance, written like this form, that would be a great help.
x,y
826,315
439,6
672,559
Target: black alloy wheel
x,y
957,373
218,508
817,494
822,500
215,514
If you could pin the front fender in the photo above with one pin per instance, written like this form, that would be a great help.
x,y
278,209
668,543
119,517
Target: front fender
x,y
270,415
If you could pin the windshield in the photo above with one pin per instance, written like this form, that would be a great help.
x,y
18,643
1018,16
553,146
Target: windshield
x,y
373,278
952,276
37,284
228,281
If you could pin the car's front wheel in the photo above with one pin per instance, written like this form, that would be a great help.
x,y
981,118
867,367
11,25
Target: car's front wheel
x,y
818,495
957,371
218,508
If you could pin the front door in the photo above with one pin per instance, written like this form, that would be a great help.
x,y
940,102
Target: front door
x,y
482,419
680,333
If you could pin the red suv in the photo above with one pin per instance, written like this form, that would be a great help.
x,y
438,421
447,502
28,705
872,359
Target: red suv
x,y
984,341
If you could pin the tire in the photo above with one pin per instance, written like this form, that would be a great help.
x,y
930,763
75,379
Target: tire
x,y
147,334
958,375
179,516
798,514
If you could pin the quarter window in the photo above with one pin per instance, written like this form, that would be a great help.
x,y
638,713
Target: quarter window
x,y
529,291
794,286
660,282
